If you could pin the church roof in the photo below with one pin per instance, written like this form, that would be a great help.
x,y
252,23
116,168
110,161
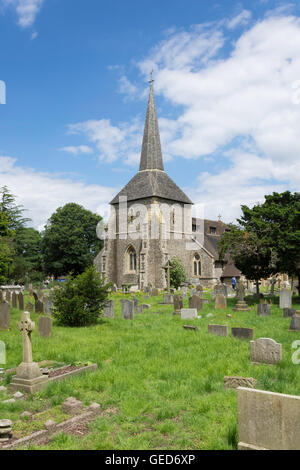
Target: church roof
x,y
151,180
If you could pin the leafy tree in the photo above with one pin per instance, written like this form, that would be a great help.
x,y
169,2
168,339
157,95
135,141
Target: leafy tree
x,y
6,248
277,223
177,273
13,212
251,255
70,243
29,260
80,299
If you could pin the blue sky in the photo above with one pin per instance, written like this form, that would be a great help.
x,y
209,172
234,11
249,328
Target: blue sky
x,y
226,82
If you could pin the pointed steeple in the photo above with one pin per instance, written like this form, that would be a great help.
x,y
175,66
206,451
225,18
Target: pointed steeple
x,y
151,157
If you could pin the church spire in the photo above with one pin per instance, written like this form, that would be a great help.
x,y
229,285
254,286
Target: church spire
x,y
151,157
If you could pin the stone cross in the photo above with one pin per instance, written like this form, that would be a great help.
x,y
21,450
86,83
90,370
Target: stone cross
x,y
26,326
240,290
167,267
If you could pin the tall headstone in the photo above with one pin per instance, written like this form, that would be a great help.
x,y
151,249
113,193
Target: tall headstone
x,y
8,296
128,309
108,309
45,327
266,351
4,315
285,298
48,306
29,376
21,301
14,300
196,302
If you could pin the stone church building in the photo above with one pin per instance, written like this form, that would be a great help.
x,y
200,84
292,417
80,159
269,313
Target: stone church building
x,y
151,222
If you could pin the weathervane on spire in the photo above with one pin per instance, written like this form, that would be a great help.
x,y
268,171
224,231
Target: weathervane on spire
x,y
151,77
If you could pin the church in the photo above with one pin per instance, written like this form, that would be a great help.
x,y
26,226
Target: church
x,y
151,222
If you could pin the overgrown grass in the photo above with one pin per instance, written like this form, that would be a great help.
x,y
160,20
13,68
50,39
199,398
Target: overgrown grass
x,y
160,386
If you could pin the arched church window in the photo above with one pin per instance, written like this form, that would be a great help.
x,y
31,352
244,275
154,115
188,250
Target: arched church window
x,y
197,265
131,256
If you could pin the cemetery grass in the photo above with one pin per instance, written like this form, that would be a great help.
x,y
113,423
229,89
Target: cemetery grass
x,y
159,386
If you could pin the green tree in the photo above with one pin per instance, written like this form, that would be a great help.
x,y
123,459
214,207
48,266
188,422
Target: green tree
x,y
70,243
13,211
178,274
79,301
251,254
277,223
29,259
6,248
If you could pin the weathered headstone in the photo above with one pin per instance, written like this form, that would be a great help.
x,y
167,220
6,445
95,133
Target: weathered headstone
x,y
29,307
220,301
135,300
40,294
267,420
8,296
235,382
39,306
178,304
128,309
285,298
45,327
154,292
14,300
265,350
188,313
295,322
139,309
4,316
21,301
242,333
288,312
48,306
263,310
108,309
218,330
196,302
168,299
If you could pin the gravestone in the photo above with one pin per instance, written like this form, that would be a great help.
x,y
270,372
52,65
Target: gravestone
x,y
154,292
268,420
235,382
45,327
199,289
285,298
178,304
108,309
135,300
263,310
288,312
48,306
39,306
220,301
218,330
35,296
266,351
128,309
29,307
242,333
139,309
40,294
29,377
193,292
168,299
1,296
14,300
188,313
196,302
21,301
8,296
295,323
4,315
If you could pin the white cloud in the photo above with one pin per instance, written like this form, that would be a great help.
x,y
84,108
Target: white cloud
x,y
240,20
43,193
77,150
26,10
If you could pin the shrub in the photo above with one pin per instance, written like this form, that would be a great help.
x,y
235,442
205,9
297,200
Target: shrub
x,y
177,273
79,301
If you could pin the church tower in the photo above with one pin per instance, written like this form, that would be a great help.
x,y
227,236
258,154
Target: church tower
x,y
150,219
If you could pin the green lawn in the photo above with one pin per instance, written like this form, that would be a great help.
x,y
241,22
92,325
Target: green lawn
x,y
159,386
